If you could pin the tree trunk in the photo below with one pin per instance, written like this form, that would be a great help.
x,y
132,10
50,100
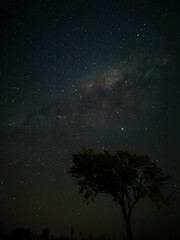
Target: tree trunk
x,y
127,217
128,229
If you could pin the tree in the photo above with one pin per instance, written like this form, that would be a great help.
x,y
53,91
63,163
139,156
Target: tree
x,y
127,177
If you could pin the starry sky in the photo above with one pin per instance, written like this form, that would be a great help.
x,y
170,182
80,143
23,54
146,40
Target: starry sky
x,y
102,74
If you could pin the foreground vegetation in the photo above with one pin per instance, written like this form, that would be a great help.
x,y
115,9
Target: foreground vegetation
x,y
27,234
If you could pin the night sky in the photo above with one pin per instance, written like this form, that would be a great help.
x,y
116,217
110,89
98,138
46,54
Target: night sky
x,y
102,74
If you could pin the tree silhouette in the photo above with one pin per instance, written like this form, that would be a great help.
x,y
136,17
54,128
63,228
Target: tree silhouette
x,y
128,178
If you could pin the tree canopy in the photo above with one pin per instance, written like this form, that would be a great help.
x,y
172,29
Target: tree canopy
x,y
127,177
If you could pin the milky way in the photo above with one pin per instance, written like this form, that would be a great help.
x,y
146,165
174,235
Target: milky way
x,y
99,74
